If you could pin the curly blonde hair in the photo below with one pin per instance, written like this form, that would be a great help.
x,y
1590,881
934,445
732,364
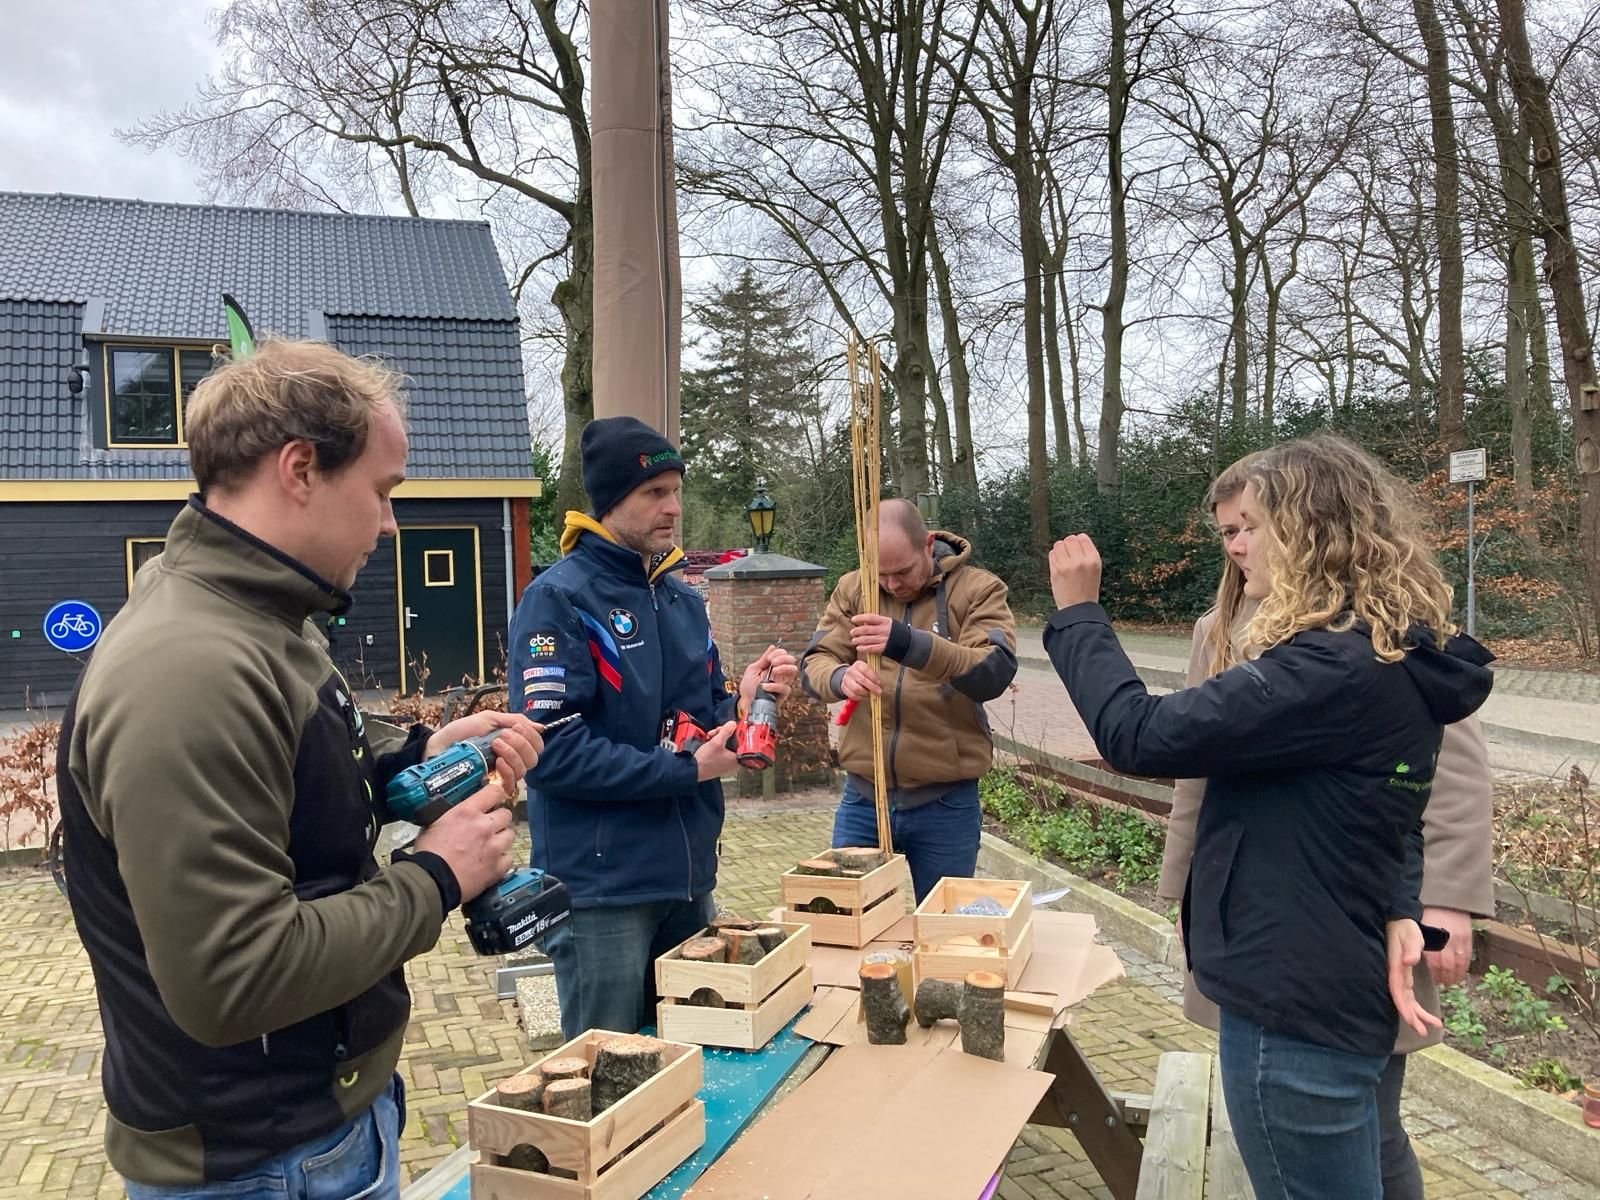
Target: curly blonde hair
x,y
1221,648
1344,544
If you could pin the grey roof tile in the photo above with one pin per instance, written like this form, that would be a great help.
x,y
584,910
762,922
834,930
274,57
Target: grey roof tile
x,y
429,297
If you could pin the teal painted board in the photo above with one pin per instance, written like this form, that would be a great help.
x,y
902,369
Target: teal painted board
x,y
735,1083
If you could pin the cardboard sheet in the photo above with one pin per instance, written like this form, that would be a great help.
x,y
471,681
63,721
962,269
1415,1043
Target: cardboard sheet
x,y
950,1118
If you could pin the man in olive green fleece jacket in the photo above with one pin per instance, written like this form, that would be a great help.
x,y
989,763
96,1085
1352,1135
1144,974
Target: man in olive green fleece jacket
x,y
947,632
221,799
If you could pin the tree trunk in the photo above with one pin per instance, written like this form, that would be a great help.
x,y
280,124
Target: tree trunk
x,y
1074,359
1521,310
1032,338
1052,354
1111,406
964,465
1566,285
941,433
1239,331
1447,225
574,299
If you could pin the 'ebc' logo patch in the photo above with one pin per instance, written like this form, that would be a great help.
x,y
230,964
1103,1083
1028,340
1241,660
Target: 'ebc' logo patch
x,y
623,622
542,645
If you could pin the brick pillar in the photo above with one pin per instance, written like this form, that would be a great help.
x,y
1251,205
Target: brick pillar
x,y
756,601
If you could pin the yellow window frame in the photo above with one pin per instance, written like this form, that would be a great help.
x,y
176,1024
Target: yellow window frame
x,y
175,349
449,557
127,556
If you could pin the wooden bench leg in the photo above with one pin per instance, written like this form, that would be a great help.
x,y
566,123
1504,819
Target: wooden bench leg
x,y
1077,1101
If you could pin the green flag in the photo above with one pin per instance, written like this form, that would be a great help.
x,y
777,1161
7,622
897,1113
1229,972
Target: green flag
x,y
239,331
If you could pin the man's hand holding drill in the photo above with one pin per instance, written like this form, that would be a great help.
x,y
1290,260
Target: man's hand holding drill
x,y
475,836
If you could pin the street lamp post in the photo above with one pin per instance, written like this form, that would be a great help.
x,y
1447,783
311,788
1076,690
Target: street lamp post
x,y
762,513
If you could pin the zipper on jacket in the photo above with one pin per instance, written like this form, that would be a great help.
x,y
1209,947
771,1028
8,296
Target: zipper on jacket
x,y
265,1049
688,852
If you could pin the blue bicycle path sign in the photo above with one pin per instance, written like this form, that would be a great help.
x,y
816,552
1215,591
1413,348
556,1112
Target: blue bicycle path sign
x,y
72,626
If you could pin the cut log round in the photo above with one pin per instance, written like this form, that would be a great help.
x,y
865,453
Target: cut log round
x,y
527,1157
816,866
938,1000
860,858
983,1025
728,921
707,998
564,1068
771,936
885,1004
704,949
622,1064
524,1092
570,1098
744,947
820,905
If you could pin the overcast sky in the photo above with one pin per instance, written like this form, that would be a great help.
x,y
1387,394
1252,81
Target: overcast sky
x,y
73,71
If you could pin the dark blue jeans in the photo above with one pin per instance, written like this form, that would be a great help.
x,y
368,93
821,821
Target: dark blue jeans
x,y
358,1161
1305,1116
605,960
938,838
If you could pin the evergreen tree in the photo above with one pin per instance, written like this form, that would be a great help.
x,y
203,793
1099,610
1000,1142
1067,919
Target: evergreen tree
x,y
746,411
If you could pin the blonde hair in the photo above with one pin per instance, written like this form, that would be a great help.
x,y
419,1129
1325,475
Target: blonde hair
x,y
1343,544
285,391
1222,651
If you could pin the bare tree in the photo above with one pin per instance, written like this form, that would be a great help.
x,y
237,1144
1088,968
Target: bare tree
x,y
334,102
1561,270
835,123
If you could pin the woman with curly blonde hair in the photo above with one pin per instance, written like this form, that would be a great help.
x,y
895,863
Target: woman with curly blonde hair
x,y
1458,876
1318,745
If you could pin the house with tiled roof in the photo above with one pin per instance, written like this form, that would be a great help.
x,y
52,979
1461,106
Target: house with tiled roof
x,y
111,312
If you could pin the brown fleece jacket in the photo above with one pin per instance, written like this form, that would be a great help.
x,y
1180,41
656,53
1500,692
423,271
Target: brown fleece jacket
x,y
953,649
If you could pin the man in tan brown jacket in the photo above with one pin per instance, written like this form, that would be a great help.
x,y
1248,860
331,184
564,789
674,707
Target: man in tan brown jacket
x,y
1458,884
948,638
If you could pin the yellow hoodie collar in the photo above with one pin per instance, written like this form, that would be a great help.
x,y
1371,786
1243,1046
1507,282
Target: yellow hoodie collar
x,y
579,523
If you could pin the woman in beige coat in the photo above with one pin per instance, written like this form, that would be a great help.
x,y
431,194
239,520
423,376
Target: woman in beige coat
x,y
1457,855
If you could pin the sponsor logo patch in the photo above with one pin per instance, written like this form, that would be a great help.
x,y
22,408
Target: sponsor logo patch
x,y
623,622
547,687
544,673
542,645
539,705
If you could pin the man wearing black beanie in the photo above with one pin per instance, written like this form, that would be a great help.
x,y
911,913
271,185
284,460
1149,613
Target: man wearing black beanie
x,y
628,824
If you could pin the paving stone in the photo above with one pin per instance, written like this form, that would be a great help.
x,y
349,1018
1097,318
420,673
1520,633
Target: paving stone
x,y
461,1039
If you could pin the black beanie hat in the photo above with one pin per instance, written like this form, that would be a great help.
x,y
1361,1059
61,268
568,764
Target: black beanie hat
x,y
620,453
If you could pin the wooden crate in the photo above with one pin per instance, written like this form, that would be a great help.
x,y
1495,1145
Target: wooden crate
x,y
867,906
953,960
601,1151
760,997
949,944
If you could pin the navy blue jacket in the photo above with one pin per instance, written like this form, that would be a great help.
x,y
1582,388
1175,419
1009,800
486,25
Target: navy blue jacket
x,y
612,813
1318,759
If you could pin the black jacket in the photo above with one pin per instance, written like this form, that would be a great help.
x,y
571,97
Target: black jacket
x,y
1319,759
221,799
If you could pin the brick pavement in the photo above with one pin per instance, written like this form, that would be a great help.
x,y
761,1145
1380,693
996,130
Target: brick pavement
x,y
462,1039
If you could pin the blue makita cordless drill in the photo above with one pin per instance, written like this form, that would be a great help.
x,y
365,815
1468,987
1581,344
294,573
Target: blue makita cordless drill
x,y
526,904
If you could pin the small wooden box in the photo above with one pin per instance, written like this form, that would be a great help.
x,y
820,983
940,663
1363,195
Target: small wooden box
x,y
949,944
867,906
597,1151
760,997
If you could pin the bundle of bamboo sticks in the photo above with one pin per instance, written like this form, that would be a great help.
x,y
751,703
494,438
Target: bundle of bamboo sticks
x,y
866,373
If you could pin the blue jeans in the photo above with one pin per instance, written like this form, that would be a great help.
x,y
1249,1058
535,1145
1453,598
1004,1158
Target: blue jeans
x,y
1305,1116
605,960
938,838
358,1161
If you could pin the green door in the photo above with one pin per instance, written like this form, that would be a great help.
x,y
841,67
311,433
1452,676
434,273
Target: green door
x,y
440,605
